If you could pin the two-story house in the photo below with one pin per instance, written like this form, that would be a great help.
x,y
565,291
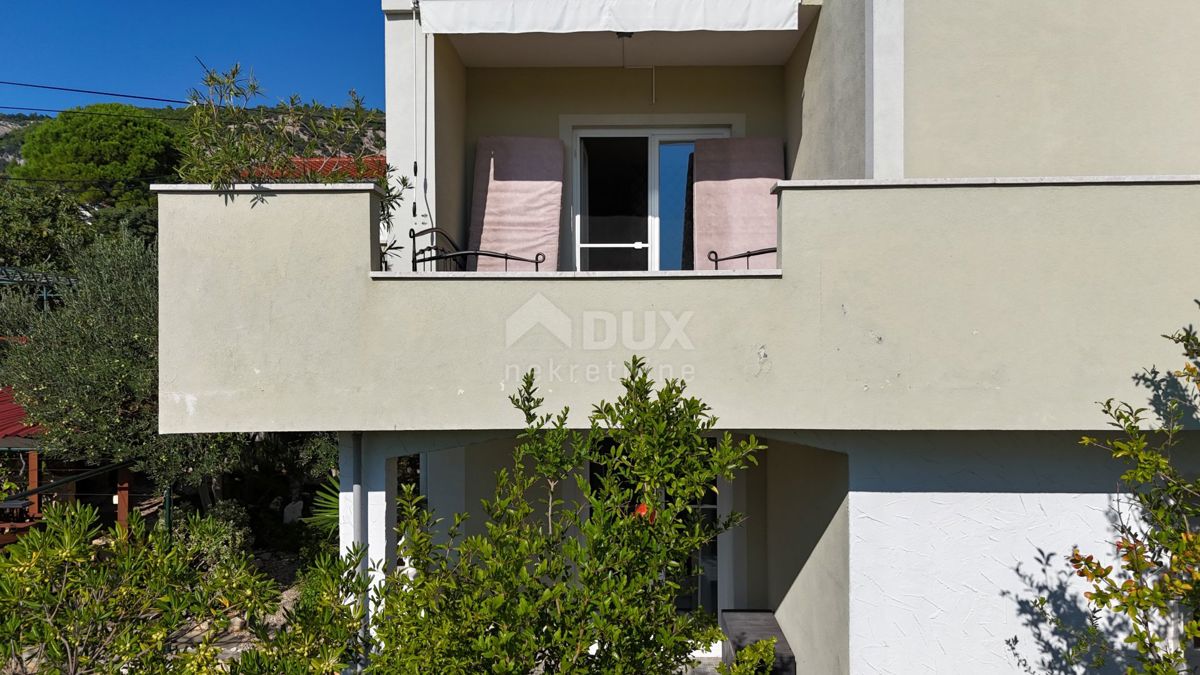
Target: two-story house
x,y
907,243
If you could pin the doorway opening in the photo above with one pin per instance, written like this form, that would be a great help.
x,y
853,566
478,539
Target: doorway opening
x,y
632,197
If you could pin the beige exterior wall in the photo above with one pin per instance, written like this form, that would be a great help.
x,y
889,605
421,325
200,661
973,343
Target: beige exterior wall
x,y
529,101
902,307
449,147
807,553
825,83
1036,88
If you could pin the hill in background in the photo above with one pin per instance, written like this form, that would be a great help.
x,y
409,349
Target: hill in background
x,y
13,128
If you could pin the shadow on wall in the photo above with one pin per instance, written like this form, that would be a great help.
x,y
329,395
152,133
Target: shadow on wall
x,y
1006,462
1068,638
1165,388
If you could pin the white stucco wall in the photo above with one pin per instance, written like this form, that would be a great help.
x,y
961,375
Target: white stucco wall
x,y
949,533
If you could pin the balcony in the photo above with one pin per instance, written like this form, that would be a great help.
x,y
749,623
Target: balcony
x,y
935,304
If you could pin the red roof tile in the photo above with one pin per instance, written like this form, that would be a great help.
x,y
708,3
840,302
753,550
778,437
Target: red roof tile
x,y
12,418
373,166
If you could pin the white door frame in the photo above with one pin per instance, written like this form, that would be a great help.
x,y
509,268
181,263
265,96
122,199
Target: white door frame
x,y
655,136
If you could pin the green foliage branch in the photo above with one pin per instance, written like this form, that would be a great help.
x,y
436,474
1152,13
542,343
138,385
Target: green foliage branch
x,y
1152,586
230,139
553,584
81,600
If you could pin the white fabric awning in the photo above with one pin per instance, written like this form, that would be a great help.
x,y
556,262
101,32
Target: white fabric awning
x,y
579,16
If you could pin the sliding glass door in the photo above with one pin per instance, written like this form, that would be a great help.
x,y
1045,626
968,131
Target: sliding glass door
x,y
632,198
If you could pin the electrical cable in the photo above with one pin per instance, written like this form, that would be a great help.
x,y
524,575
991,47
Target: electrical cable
x,y
93,91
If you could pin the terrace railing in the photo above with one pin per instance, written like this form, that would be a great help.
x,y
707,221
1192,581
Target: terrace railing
x,y
717,259
442,252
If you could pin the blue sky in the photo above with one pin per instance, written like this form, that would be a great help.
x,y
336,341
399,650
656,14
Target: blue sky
x,y
318,49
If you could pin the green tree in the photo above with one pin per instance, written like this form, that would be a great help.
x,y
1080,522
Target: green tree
x,y
39,225
586,585
112,156
13,128
88,371
1152,590
79,600
322,632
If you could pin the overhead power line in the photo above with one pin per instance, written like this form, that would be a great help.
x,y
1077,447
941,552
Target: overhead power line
x,y
94,92
262,110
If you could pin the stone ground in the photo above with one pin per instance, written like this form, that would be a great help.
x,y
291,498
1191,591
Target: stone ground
x,y
705,667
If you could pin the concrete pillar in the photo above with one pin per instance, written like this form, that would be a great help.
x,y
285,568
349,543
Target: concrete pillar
x,y
367,469
352,526
368,499
885,88
379,487
407,57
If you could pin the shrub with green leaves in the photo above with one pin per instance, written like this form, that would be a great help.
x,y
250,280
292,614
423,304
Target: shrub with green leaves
x,y
557,585
231,138
78,599
39,225
1152,589
755,659
323,632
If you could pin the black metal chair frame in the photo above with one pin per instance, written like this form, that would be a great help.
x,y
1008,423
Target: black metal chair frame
x,y
443,247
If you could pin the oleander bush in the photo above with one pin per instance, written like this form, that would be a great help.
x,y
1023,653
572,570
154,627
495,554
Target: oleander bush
x,y
80,599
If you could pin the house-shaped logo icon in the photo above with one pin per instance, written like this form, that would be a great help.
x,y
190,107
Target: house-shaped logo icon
x,y
537,311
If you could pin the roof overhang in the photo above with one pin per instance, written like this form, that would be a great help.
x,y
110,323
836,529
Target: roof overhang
x,y
604,49
582,16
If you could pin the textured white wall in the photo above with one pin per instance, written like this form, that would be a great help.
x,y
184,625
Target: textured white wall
x,y
953,535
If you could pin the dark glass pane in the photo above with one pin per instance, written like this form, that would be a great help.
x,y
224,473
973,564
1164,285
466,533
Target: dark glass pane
x,y
614,259
614,202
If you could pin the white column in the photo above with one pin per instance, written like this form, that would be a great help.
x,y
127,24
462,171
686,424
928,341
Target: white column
x,y
885,88
405,81
351,525
367,503
379,486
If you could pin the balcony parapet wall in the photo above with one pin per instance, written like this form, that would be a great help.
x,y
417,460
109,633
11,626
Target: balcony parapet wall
x,y
925,305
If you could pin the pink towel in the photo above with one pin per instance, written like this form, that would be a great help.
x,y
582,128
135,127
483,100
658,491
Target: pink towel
x,y
517,202
733,208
